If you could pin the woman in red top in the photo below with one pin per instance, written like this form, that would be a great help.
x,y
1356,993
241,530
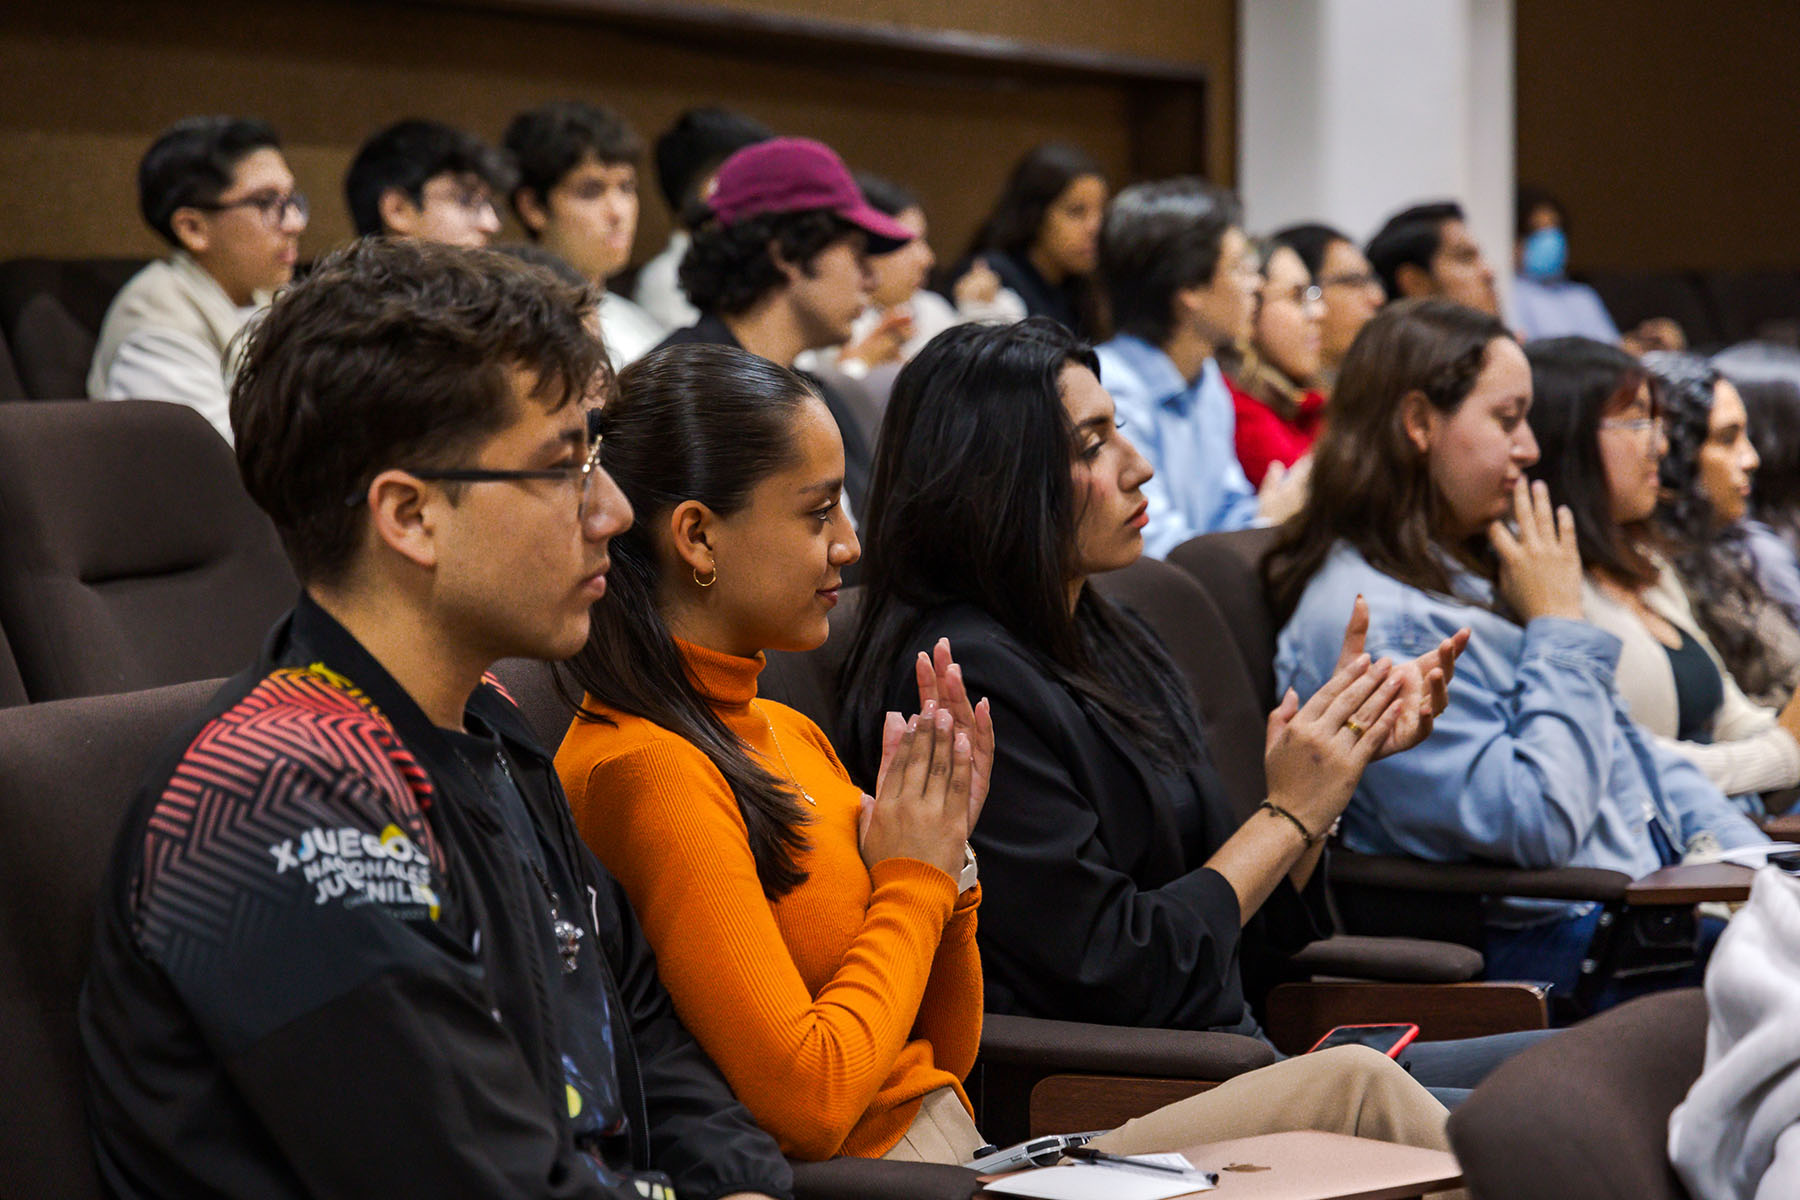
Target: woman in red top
x,y
1278,413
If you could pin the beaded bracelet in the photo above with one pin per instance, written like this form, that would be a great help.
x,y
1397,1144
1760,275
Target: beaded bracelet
x,y
1311,839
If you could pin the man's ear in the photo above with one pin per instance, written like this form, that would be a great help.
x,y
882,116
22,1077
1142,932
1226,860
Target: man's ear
x,y
403,516
399,214
1419,420
192,230
790,270
1414,280
531,210
691,525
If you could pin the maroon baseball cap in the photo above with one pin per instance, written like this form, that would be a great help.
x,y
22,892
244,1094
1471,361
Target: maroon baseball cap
x,y
787,175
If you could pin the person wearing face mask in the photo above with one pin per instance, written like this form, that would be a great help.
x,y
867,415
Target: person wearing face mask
x,y
1278,411
1420,504
1600,433
1546,303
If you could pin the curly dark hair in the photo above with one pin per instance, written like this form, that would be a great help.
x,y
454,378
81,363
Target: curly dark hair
x,y
1714,564
729,268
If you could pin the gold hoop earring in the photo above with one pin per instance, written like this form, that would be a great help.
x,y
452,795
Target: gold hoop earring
x,y
711,578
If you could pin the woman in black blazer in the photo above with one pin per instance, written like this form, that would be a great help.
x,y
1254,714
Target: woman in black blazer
x,y
1120,888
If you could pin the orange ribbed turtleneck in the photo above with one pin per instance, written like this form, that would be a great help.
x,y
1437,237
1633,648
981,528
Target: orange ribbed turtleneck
x,y
831,1011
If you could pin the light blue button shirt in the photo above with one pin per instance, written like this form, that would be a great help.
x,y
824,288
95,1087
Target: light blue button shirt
x,y
1188,431
1534,763
1547,308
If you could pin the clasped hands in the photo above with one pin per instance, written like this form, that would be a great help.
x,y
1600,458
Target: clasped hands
x,y
934,772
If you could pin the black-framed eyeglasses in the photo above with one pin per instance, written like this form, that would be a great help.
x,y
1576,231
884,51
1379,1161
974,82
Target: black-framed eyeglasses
x,y
272,207
581,476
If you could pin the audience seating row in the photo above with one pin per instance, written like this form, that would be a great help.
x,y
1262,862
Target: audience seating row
x,y
50,314
51,309
129,554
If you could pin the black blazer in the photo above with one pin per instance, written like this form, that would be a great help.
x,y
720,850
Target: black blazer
x,y
1095,905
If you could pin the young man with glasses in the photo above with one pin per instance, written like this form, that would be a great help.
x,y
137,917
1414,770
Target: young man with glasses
x,y
219,192
1182,279
351,943
427,180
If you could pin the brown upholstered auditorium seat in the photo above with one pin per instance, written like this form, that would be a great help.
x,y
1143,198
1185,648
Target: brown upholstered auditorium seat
x,y
50,315
1585,1115
130,555
71,768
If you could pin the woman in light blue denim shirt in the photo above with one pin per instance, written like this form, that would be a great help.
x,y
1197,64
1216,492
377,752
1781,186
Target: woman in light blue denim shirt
x,y
1535,761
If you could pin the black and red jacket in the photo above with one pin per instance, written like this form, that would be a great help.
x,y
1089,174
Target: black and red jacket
x,y
322,968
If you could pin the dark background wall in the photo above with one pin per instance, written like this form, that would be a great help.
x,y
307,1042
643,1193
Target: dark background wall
x,y
85,85
1668,127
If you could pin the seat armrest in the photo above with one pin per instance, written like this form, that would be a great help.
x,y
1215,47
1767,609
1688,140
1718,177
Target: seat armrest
x,y
1065,1046
1478,879
1390,959
878,1179
1299,1014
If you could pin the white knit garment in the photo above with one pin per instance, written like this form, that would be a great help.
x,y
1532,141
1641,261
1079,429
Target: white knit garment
x,y
1737,1135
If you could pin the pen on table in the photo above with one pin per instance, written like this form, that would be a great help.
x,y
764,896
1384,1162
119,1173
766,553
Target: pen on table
x,y
1090,1155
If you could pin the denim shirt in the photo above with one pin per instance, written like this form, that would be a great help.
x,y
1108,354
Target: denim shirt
x,y
1188,431
1534,763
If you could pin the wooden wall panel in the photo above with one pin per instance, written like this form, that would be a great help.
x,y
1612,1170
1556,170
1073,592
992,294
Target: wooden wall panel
x,y
83,89
1667,127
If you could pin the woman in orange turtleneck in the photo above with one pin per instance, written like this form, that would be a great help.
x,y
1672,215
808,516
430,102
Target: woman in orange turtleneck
x,y
819,944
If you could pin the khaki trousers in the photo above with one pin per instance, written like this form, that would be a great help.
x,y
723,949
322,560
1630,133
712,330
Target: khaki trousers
x,y
1348,1089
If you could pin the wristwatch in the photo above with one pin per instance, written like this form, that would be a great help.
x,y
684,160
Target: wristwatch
x,y
967,878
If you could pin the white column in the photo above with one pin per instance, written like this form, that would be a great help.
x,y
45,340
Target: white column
x,y
1350,110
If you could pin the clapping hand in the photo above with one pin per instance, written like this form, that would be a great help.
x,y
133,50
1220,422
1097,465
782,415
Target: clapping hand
x,y
1424,681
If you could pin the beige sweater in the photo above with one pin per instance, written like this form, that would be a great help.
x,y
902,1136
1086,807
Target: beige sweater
x,y
1750,751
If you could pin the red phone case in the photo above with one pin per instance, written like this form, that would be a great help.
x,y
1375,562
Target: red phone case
x,y
1408,1035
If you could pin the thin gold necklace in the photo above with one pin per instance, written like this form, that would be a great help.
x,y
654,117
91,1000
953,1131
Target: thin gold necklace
x,y
792,778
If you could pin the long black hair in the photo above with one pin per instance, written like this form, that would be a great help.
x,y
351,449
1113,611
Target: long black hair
x,y
972,501
1767,376
1013,225
1714,564
1575,383
704,423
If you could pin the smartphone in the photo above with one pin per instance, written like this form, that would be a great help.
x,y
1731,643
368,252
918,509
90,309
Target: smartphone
x,y
1038,1152
1389,1039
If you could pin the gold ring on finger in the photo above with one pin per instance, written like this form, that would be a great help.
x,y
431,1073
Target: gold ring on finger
x,y
1353,727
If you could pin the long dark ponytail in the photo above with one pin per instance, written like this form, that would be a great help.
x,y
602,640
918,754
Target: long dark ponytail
x,y
702,423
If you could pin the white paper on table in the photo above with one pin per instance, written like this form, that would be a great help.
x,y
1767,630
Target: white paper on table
x,y
1087,1182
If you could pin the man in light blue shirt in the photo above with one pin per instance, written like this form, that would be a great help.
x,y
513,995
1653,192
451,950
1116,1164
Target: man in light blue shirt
x,y
1545,302
1182,283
